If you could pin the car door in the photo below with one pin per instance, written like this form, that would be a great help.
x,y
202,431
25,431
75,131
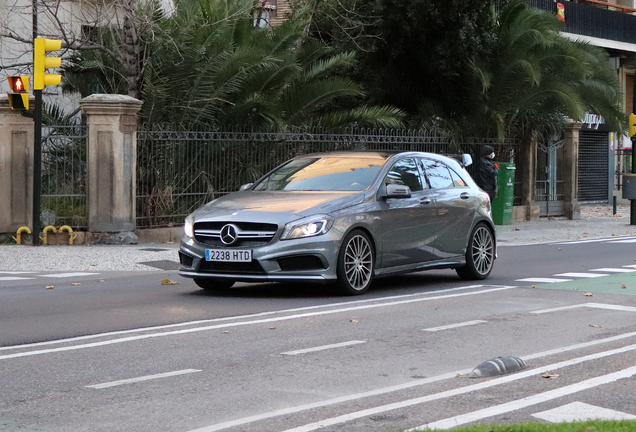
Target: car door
x,y
454,208
408,231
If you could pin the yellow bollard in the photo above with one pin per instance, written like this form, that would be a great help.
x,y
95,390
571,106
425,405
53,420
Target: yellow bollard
x,y
71,237
45,231
18,237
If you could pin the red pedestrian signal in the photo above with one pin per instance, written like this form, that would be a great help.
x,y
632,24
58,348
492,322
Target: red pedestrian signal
x,y
19,96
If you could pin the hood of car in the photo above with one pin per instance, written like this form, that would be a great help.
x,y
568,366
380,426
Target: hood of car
x,y
278,206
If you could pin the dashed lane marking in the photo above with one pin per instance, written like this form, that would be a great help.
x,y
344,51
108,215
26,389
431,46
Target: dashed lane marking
x,y
452,326
543,280
625,239
614,270
15,272
324,347
65,275
14,278
579,411
580,275
143,378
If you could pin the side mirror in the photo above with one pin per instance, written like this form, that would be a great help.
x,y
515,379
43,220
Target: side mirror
x,y
467,160
397,191
246,186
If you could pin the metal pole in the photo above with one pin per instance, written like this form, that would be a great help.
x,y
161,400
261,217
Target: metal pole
x,y
632,203
37,165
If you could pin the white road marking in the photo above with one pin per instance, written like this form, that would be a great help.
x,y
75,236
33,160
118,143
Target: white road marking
x,y
143,378
608,239
633,266
543,280
452,326
529,401
240,317
65,275
580,275
246,323
324,347
614,270
14,278
15,272
371,411
579,411
623,241
588,305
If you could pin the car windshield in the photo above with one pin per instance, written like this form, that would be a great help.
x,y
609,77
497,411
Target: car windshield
x,y
323,174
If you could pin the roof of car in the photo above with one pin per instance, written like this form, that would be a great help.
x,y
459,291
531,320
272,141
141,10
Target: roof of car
x,y
379,154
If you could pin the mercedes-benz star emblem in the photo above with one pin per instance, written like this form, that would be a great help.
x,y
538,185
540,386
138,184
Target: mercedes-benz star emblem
x,y
228,234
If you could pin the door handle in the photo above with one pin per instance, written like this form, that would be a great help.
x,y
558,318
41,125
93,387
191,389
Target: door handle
x,y
426,200
464,195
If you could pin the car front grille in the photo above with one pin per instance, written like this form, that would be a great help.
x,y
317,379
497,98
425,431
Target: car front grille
x,y
253,267
249,234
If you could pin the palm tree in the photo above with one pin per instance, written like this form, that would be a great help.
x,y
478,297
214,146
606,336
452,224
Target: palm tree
x,y
534,79
207,65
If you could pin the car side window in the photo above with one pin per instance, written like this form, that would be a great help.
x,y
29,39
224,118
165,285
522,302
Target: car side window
x,y
405,172
457,180
438,174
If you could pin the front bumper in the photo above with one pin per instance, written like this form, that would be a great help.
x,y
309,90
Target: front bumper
x,y
308,259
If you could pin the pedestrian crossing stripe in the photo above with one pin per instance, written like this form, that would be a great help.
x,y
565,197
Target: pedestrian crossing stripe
x,y
13,278
543,280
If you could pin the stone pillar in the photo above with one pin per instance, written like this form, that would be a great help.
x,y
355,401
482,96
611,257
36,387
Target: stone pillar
x,y
112,161
571,205
528,159
16,169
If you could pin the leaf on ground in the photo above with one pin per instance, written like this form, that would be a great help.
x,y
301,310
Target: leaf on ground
x,y
624,286
549,375
461,376
589,294
272,328
169,282
354,321
102,280
515,229
560,249
50,287
225,331
574,288
595,326
534,286
75,283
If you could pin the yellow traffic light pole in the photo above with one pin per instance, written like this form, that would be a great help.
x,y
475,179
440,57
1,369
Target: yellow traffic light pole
x,y
40,80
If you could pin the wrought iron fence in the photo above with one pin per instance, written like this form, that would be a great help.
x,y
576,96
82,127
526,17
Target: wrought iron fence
x,y
180,171
63,196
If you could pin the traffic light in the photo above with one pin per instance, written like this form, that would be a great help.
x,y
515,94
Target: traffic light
x,y
19,96
632,125
41,63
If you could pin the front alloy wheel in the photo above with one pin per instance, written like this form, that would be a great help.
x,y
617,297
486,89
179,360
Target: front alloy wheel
x,y
480,254
355,263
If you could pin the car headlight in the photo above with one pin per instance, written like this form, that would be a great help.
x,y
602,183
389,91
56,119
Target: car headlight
x,y
309,227
188,226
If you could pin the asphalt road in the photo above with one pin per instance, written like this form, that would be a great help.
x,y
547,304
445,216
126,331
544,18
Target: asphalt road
x,y
122,352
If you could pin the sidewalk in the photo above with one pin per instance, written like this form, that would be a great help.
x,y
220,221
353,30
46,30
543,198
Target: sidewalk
x,y
596,221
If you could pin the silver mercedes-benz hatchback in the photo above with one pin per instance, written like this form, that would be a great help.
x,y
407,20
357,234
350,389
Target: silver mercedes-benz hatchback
x,y
344,218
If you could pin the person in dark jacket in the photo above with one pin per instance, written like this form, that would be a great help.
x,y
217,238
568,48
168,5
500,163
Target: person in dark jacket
x,y
487,172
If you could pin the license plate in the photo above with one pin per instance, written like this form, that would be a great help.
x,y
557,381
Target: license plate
x,y
225,255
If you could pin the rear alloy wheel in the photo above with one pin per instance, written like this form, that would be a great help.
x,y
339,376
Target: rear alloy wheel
x,y
210,284
480,254
355,263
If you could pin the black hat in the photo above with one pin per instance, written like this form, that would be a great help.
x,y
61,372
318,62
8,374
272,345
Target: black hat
x,y
486,150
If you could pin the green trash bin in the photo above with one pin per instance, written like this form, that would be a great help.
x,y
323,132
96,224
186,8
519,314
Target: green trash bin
x,y
502,205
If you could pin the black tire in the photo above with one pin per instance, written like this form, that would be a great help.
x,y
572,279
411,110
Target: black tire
x,y
356,263
210,284
480,254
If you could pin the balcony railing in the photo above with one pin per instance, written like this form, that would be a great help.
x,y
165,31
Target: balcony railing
x,y
593,21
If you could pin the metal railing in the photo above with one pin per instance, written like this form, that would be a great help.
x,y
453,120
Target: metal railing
x,y
593,21
63,197
178,171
